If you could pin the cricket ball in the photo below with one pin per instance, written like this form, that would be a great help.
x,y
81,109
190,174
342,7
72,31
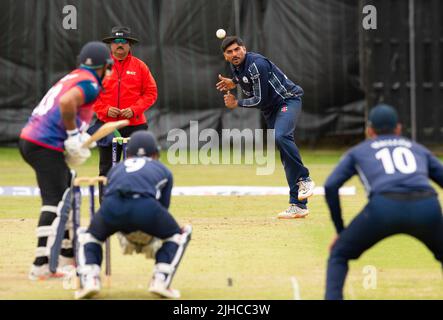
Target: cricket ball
x,y
221,33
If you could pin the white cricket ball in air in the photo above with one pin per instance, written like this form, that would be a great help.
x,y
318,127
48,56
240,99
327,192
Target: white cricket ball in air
x,y
221,33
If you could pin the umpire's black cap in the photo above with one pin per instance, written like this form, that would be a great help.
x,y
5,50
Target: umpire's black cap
x,y
142,143
121,32
95,55
383,117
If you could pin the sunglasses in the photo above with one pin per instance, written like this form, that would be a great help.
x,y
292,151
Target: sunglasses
x,y
123,41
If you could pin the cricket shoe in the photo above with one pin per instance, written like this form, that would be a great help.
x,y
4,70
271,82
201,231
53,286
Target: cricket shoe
x,y
293,212
159,288
91,286
42,273
305,188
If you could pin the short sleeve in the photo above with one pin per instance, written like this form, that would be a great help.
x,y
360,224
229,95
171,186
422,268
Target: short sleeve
x,y
90,90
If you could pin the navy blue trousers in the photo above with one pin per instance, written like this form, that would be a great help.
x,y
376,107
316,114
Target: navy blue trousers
x,y
383,217
284,121
119,214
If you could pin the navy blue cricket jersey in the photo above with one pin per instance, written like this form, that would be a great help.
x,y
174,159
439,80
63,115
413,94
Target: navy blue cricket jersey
x,y
388,163
264,85
141,176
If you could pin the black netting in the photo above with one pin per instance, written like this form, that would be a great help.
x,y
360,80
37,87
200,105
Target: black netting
x,y
320,44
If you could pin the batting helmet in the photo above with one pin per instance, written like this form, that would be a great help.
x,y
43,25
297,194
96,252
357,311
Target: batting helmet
x,y
95,55
142,143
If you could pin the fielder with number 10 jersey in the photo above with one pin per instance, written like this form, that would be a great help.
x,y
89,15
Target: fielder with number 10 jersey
x,y
402,165
395,172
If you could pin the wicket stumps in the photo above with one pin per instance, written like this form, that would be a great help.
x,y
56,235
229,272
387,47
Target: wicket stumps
x,y
124,142
76,217
115,142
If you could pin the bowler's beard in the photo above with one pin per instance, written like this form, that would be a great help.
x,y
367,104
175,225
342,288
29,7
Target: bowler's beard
x,y
238,61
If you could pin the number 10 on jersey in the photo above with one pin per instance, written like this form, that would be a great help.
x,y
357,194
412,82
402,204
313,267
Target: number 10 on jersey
x,y
401,159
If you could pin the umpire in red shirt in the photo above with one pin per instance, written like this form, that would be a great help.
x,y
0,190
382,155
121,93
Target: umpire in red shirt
x,y
128,92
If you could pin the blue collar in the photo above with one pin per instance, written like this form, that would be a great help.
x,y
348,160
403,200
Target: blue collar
x,y
94,73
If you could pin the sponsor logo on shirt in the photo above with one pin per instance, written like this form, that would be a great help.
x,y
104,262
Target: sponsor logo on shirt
x,y
245,79
131,72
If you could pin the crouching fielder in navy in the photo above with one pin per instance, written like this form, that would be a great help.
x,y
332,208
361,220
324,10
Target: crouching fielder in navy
x,y
396,173
135,203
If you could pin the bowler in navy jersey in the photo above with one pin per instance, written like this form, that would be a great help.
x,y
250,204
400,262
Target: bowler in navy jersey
x,y
395,172
266,87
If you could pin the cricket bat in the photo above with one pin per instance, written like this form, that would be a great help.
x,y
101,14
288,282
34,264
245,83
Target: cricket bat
x,y
104,130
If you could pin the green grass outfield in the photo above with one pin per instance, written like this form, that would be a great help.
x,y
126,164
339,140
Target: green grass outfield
x,y
234,237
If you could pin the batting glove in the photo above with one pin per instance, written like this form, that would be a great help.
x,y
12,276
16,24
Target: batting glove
x,y
75,154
